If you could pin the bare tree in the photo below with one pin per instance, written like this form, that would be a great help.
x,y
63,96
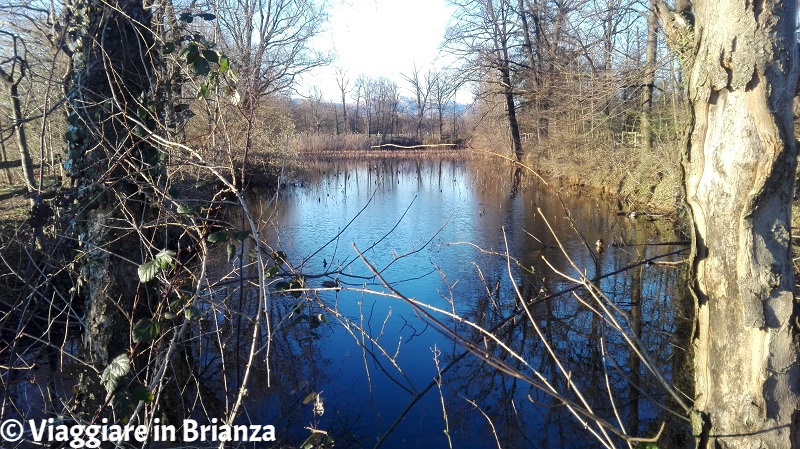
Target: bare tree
x,y
421,87
271,41
485,33
110,82
343,81
384,105
12,72
358,94
443,91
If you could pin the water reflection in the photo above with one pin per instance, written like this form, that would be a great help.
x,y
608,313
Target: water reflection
x,y
447,236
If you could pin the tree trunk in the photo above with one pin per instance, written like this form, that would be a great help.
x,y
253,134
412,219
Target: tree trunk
x,y
112,75
344,113
501,35
742,66
511,112
4,158
19,121
527,43
649,77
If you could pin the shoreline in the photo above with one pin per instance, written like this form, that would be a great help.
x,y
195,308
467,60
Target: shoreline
x,y
634,201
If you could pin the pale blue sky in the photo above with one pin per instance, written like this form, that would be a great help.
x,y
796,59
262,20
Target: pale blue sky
x,y
379,38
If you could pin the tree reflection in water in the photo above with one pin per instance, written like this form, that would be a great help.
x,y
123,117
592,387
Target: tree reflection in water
x,y
376,358
455,239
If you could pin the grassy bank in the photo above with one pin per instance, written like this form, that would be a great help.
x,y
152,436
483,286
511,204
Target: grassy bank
x,y
638,179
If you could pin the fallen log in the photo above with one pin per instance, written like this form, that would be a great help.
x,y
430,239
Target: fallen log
x,y
413,147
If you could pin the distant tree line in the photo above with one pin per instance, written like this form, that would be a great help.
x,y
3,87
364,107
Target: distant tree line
x,y
425,108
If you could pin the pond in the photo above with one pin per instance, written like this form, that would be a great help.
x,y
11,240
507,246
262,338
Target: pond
x,y
456,241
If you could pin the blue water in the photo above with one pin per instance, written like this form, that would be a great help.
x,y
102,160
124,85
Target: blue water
x,y
438,232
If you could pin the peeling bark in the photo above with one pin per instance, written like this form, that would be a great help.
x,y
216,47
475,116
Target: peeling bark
x,y
739,168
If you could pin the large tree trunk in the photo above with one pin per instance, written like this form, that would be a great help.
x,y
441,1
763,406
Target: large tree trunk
x,y
112,76
741,64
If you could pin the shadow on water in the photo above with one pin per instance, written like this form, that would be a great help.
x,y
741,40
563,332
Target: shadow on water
x,y
438,231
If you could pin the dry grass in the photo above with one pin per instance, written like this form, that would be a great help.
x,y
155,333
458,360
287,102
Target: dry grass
x,y
325,143
13,205
438,153
640,179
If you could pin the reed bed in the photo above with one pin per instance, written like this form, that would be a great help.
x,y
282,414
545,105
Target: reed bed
x,y
314,143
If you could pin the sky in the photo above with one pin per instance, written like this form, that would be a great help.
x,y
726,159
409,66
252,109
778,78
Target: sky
x,y
379,38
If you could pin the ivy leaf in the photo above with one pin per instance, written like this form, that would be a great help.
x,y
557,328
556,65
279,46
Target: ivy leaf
x,y
282,285
147,271
122,405
192,56
192,312
120,366
200,66
295,285
186,17
241,235
231,252
146,330
187,210
211,55
272,271
141,393
169,47
224,64
207,16
219,236
202,39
